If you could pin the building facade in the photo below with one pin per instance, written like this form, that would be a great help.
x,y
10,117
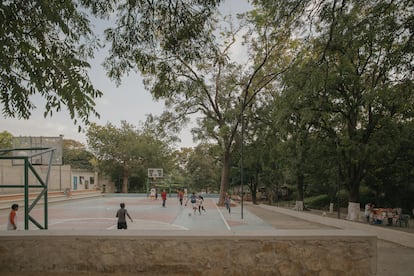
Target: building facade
x,y
61,177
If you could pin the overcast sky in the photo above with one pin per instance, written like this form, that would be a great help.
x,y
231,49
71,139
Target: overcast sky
x,y
129,101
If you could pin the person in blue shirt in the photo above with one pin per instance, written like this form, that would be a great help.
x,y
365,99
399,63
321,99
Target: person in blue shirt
x,y
193,200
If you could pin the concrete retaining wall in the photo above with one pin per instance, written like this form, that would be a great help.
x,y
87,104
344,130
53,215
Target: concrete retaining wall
x,y
183,253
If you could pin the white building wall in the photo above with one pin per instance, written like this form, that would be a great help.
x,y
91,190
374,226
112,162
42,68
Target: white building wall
x,y
60,178
83,180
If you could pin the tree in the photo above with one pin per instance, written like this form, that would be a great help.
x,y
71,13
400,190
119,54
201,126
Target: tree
x,y
125,151
203,167
144,29
45,47
367,80
253,167
296,127
76,155
6,140
197,76
358,73
390,172
112,147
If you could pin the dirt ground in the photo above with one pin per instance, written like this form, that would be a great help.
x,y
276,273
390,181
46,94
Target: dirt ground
x,y
393,259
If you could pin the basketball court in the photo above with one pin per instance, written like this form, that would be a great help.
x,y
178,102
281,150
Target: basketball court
x,y
99,213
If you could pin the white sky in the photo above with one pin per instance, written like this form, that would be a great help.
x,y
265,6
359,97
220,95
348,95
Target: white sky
x,y
129,101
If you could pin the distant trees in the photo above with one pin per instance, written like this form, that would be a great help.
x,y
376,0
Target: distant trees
x,y
6,140
126,151
203,168
77,156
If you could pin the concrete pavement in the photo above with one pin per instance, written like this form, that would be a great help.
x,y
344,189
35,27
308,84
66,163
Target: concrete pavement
x,y
393,259
391,234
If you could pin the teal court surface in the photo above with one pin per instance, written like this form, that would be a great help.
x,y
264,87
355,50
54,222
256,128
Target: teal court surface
x,y
395,248
98,213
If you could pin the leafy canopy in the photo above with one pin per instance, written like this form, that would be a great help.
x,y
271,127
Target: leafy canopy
x,y
44,51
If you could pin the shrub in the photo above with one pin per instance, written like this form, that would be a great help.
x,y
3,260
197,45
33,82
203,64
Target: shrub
x,y
318,202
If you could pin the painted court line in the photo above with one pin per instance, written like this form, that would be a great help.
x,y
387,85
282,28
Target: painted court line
x,y
141,224
60,221
222,217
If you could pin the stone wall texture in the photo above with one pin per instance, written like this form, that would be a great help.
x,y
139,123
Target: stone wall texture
x,y
188,255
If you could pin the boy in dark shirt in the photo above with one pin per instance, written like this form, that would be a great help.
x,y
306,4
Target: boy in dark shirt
x,y
122,224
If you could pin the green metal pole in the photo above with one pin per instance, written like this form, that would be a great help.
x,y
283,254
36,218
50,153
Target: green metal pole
x,y
26,193
46,207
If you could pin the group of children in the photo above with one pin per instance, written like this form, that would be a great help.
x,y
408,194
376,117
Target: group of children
x,y
197,203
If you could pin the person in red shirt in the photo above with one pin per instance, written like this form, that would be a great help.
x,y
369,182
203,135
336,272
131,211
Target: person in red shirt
x,y
164,197
12,222
181,197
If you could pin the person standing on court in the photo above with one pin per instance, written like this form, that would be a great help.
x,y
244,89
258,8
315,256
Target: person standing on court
x,y
201,204
227,202
181,197
121,215
193,200
164,197
12,221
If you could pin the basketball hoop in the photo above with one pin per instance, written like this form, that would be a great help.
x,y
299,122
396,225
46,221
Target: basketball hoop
x,y
155,173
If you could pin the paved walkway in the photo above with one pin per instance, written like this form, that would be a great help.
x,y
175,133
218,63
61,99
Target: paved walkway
x,y
393,259
395,248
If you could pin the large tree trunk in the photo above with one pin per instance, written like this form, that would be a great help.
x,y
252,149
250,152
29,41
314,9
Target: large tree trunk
x,y
225,173
300,179
353,211
253,189
353,201
125,181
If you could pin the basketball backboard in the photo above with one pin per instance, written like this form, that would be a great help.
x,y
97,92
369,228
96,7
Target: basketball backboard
x,y
155,173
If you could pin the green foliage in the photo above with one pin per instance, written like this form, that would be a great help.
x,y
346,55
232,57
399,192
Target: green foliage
x,y
6,140
320,202
367,195
341,108
145,30
186,62
45,47
125,152
76,155
202,168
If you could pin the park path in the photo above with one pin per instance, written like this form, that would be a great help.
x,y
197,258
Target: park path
x,y
392,259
